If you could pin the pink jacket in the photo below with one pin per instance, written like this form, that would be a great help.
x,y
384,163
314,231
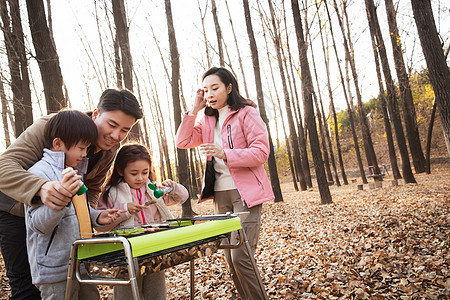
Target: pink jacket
x,y
246,145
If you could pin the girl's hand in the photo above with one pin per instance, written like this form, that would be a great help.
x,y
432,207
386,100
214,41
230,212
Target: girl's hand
x,y
108,216
134,208
200,101
213,150
168,183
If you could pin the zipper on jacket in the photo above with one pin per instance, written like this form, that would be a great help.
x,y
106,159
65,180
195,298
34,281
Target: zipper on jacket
x,y
230,141
51,240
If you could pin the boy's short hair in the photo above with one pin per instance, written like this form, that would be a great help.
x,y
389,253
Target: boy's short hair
x,y
71,126
122,100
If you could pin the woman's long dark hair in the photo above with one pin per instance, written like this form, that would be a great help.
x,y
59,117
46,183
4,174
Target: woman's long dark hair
x,y
235,99
128,153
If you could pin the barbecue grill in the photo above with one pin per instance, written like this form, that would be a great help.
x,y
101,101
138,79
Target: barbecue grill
x,y
130,254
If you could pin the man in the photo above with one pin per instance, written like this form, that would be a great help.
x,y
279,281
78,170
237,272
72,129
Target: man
x,y
115,115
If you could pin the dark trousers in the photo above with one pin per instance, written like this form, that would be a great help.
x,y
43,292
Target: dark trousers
x,y
14,252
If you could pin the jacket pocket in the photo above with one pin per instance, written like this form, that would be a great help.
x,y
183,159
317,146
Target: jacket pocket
x,y
230,140
258,179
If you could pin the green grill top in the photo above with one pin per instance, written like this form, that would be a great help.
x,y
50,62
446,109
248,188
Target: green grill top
x,y
164,239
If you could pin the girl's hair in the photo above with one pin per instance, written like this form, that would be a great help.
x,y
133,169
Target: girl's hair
x,y
128,153
71,126
235,99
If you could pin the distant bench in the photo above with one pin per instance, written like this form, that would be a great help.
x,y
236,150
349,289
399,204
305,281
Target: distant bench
x,y
378,177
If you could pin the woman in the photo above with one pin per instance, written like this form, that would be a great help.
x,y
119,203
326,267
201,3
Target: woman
x,y
235,140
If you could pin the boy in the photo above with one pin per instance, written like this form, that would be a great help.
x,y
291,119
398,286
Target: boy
x,y
50,233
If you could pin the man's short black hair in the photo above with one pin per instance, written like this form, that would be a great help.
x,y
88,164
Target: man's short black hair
x,y
122,100
71,126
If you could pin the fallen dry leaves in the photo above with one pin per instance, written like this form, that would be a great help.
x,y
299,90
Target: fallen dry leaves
x,y
386,243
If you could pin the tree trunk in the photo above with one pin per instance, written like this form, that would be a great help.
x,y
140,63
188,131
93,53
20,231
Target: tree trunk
x,y
20,84
320,119
349,98
122,29
275,181
46,56
322,183
374,27
430,134
292,132
330,94
365,130
120,20
4,113
182,170
406,98
436,62
238,51
302,136
205,39
387,123
288,144
100,39
218,32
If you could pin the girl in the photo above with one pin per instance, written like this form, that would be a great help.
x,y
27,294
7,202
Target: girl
x,y
127,188
235,140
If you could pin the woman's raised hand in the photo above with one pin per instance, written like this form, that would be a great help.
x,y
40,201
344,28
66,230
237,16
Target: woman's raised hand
x,y
200,101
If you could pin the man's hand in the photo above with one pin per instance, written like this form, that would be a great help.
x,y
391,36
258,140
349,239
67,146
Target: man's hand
x,y
54,195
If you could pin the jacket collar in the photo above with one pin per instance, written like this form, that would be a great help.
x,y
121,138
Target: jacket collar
x,y
58,159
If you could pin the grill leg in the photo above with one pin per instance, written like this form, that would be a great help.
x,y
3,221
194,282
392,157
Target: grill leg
x,y
191,269
133,269
71,272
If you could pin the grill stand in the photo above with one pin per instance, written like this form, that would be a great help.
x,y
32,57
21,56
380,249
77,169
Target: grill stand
x,y
133,264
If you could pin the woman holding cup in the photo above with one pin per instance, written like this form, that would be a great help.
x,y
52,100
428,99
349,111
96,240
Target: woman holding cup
x,y
234,139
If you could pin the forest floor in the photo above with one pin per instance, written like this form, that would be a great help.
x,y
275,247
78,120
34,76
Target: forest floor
x,y
384,243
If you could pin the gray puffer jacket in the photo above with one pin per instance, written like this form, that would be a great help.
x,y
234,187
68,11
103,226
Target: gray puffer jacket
x,y
50,233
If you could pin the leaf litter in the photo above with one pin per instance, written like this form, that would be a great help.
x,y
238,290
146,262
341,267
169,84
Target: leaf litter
x,y
384,243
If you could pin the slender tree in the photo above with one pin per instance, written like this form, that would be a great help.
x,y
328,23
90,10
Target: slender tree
x,y
238,51
120,20
386,120
349,58
330,94
436,62
322,183
182,170
205,39
406,99
374,27
288,144
365,130
46,56
302,133
292,131
18,65
218,32
122,29
429,136
275,181
321,121
4,113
